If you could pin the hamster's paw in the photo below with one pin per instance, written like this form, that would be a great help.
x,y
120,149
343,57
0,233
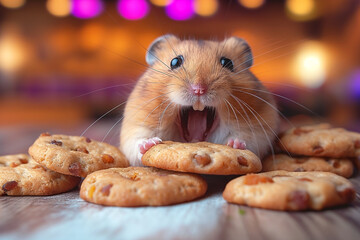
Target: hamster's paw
x,y
236,143
146,144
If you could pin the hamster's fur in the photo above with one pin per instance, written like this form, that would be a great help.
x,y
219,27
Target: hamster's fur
x,y
197,90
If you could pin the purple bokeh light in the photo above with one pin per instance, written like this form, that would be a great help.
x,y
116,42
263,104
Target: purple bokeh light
x,y
354,84
180,10
86,8
133,9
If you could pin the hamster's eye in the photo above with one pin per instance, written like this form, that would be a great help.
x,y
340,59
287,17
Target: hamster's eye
x,y
227,63
176,62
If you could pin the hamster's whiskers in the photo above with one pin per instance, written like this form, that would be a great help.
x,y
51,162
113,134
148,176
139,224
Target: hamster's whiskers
x,y
280,96
254,113
144,65
247,121
163,113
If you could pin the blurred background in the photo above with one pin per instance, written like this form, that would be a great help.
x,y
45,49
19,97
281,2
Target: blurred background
x,y
65,63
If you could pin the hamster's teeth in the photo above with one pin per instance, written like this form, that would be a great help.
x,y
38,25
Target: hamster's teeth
x,y
198,106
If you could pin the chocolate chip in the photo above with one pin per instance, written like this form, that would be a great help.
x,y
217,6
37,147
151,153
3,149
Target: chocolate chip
x,y
8,186
298,200
23,161
88,140
106,158
82,149
75,169
57,143
253,179
318,149
242,161
335,163
106,190
202,160
357,144
300,169
348,194
14,164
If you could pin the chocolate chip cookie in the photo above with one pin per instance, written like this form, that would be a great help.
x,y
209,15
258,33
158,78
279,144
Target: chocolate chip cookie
x,y
20,175
321,141
342,167
77,156
292,191
201,157
141,186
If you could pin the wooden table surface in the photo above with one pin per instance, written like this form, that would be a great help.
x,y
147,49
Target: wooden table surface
x,y
66,216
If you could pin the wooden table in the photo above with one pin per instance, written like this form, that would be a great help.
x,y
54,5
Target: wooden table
x,y
66,216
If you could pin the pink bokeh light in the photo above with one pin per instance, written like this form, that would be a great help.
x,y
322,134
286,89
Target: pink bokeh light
x,y
86,8
133,9
180,10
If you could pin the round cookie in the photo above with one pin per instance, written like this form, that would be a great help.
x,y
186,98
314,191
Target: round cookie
x,y
342,167
73,155
201,157
322,141
141,186
20,175
292,191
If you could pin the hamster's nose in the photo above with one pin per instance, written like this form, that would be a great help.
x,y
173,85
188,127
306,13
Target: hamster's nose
x,y
198,89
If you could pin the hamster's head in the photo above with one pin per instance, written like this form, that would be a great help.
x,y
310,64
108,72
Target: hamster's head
x,y
201,79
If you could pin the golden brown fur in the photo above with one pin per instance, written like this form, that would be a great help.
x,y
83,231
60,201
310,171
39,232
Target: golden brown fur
x,y
242,103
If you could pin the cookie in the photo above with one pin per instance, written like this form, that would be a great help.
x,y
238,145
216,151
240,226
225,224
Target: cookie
x,y
20,175
201,157
73,155
291,191
342,167
141,186
321,141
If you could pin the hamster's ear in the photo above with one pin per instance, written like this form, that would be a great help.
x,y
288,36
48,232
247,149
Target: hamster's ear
x,y
157,44
242,48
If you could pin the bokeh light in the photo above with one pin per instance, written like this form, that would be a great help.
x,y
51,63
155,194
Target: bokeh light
x,y
161,3
12,3
12,53
133,9
91,36
354,84
252,4
310,64
180,10
301,9
86,8
206,8
59,8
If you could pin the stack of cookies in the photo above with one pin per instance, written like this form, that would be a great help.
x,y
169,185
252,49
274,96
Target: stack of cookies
x,y
316,148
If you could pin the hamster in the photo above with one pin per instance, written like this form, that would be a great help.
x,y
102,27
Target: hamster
x,y
198,90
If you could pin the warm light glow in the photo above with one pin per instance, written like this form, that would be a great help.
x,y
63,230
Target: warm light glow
x,y
301,9
91,36
310,64
59,8
86,8
12,54
180,10
161,3
206,7
12,3
252,3
133,9
118,42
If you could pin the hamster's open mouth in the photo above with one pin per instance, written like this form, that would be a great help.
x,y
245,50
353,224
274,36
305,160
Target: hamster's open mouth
x,y
195,125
